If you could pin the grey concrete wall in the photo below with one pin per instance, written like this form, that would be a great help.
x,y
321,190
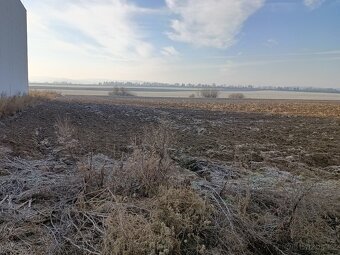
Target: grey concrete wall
x,y
13,48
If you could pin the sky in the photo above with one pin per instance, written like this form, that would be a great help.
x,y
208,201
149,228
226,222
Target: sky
x,y
232,42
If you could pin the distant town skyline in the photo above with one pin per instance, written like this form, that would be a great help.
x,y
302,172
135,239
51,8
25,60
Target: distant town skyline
x,y
258,42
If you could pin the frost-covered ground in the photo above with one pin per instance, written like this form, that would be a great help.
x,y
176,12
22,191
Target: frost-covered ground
x,y
78,174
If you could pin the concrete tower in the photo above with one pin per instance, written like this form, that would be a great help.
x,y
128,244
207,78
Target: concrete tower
x,y
13,48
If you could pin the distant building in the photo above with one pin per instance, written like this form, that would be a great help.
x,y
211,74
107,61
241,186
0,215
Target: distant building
x,y
13,48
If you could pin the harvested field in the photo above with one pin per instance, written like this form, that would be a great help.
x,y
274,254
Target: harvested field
x,y
100,175
283,107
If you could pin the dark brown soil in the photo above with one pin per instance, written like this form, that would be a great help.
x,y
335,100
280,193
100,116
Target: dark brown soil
x,y
252,139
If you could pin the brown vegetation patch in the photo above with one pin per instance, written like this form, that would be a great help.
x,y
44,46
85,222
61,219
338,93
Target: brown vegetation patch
x,y
182,182
236,96
209,93
121,92
14,104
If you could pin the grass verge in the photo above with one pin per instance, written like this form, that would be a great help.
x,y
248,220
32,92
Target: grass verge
x,y
14,104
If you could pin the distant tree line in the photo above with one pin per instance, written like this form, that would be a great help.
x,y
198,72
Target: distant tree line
x,y
221,87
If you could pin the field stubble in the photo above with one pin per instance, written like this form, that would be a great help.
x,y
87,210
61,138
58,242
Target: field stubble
x,y
114,176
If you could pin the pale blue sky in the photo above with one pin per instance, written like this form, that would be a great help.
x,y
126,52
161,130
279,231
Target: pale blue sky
x,y
260,42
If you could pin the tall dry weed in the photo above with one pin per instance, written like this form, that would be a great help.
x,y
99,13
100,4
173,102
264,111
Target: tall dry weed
x,y
66,132
138,174
300,220
142,174
178,221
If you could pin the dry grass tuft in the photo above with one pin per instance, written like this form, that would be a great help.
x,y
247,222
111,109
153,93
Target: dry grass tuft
x,y
65,133
189,217
139,174
14,104
47,94
299,220
130,233
178,222
236,96
314,219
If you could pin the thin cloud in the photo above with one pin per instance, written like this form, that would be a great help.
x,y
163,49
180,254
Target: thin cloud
x,y
169,51
271,43
106,27
313,4
214,23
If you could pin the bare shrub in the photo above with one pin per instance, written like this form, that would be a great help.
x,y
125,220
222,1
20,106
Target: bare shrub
x,y
190,218
178,222
237,96
313,225
44,94
130,233
209,93
65,132
192,96
95,176
294,221
138,174
158,139
148,167
122,92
